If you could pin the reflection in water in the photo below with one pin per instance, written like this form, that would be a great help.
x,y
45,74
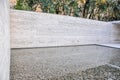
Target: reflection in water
x,y
44,63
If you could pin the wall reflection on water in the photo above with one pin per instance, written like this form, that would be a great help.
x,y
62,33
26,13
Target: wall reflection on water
x,y
50,62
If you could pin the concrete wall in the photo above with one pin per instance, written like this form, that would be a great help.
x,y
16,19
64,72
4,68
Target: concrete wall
x,y
116,31
30,29
4,40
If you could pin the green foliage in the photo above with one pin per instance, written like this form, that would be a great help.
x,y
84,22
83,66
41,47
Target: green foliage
x,y
105,10
22,5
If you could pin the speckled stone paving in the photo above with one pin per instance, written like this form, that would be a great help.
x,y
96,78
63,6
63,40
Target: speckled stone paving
x,y
104,72
66,63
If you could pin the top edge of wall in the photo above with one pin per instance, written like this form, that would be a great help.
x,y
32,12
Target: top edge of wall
x,y
116,22
57,15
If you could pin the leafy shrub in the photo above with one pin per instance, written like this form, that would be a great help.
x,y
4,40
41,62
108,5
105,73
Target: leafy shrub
x,y
105,10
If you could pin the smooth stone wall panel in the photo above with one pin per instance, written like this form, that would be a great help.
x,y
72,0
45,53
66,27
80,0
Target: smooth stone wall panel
x,y
4,40
31,29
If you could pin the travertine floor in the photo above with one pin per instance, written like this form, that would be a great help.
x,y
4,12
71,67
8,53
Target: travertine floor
x,y
65,63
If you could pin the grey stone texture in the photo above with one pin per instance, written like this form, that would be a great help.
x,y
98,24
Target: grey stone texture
x,y
31,29
4,40
57,63
103,72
